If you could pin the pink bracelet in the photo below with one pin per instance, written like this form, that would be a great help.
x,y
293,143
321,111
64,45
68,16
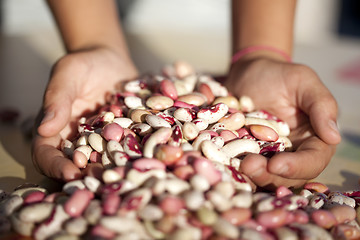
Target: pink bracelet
x,y
239,54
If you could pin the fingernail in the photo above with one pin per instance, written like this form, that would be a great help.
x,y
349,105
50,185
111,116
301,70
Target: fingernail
x,y
48,116
333,126
283,169
257,173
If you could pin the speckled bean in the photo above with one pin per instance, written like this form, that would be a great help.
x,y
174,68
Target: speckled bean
x,y
156,121
214,113
9,205
142,129
184,114
53,225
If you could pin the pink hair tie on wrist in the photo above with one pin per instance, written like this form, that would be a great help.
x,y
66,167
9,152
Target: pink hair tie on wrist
x,y
239,54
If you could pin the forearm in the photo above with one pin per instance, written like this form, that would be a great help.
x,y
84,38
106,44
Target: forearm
x,y
88,23
263,22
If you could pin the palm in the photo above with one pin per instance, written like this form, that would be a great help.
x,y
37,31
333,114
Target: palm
x,y
83,79
281,89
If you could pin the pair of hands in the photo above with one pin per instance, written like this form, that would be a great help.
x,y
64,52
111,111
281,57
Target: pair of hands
x,y
291,92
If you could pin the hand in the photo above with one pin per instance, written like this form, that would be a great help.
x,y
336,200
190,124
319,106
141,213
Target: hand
x,y
295,94
78,84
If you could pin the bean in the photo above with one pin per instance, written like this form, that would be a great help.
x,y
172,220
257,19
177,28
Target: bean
x,y
138,115
21,227
316,186
132,147
93,212
272,219
102,232
230,101
214,113
184,114
36,212
73,186
9,205
238,147
112,131
76,226
145,164
151,212
193,199
214,153
324,218
227,135
119,224
343,213
237,216
224,228
167,88
206,91
246,104
123,121
168,154
199,183
133,102
171,205
196,99
156,121
176,186
205,168
33,197
233,121
161,136
52,225
159,102
264,133
343,231
110,176
190,131
78,202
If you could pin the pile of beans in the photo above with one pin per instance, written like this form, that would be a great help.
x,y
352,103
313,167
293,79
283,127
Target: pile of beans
x,y
162,161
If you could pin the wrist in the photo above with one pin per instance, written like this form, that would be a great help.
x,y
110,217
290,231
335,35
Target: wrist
x,y
260,52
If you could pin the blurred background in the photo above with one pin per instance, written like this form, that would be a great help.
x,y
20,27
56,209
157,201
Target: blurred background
x,y
158,32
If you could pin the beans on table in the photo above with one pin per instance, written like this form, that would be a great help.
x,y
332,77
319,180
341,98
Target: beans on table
x,y
163,159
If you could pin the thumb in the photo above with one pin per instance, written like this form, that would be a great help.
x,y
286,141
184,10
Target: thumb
x,y
57,105
321,107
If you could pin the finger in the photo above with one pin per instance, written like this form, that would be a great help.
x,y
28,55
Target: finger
x,y
255,167
309,160
57,105
51,162
321,107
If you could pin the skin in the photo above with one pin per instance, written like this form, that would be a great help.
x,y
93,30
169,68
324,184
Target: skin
x,y
95,53
292,92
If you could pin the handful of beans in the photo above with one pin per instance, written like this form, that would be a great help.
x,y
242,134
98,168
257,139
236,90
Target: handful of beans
x,y
163,160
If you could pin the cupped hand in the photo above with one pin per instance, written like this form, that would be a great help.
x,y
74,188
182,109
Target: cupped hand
x,y
295,94
78,84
